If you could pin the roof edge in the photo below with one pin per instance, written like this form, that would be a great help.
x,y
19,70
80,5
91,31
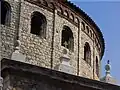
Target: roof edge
x,y
88,18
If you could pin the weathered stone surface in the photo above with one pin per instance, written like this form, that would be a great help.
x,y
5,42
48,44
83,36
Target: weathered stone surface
x,y
18,57
39,51
65,66
22,76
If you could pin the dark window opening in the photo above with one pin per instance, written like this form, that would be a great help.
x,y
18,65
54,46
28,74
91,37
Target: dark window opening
x,y
87,53
97,66
38,24
87,29
83,25
67,38
5,13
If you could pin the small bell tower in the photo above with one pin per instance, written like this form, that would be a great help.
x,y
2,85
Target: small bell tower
x,y
108,78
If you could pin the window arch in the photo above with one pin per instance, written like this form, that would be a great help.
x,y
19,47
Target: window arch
x,y
87,29
72,17
67,38
5,13
83,25
87,53
97,66
38,24
66,13
60,10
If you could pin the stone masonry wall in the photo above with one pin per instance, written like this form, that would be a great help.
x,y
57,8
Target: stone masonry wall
x,y
8,33
58,49
98,56
37,49
86,68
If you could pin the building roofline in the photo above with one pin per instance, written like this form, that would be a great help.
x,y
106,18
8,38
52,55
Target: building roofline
x,y
31,70
88,18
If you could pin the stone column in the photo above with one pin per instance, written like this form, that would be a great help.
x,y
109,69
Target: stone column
x,y
80,58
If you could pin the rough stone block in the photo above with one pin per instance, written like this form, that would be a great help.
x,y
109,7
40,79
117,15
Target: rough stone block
x,y
66,69
18,57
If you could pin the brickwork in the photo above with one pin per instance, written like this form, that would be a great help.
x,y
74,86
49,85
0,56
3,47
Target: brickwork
x,y
46,52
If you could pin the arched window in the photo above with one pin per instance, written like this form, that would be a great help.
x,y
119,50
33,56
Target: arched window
x,y
87,29
67,38
87,53
97,66
5,13
38,24
82,25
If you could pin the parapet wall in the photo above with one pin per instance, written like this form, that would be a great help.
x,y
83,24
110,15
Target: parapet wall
x,y
21,76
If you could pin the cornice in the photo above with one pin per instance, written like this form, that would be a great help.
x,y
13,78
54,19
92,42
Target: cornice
x,y
16,67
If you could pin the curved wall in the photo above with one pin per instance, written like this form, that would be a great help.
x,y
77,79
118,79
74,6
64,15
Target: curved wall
x,y
46,52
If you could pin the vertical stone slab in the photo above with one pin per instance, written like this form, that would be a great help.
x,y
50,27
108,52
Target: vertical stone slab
x,y
16,55
65,66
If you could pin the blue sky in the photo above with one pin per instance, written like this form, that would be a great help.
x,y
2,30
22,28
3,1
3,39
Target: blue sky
x,y
106,14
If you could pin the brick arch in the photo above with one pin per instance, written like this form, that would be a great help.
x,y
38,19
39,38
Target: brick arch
x,y
60,10
66,13
77,20
90,33
82,25
72,16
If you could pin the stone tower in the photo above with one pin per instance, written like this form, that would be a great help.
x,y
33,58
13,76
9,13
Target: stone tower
x,y
45,28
